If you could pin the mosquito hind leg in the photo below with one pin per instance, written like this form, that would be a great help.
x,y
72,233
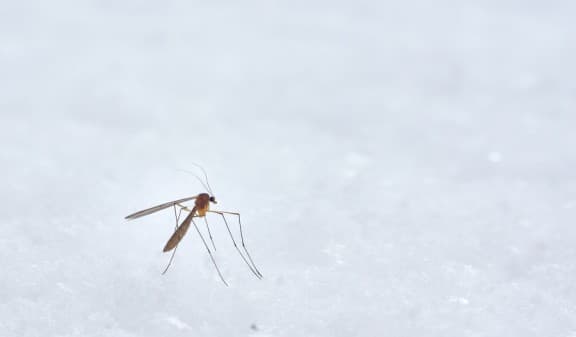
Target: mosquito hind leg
x,y
170,262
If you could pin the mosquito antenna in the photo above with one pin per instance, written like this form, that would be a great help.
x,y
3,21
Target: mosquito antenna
x,y
207,188
205,176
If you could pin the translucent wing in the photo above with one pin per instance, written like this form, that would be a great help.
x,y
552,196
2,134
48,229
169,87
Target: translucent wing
x,y
179,233
157,208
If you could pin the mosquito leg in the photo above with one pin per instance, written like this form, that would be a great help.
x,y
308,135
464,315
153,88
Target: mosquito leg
x,y
179,213
177,217
170,262
210,253
209,234
183,207
246,249
238,249
242,238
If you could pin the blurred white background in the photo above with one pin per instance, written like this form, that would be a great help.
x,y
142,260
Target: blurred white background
x,y
403,168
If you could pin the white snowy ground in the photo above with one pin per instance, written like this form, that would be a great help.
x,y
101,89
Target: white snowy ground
x,y
404,168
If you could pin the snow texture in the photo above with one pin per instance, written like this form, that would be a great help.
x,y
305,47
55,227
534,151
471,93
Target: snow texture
x,y
403,168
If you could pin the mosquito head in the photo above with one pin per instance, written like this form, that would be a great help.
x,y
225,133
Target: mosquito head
x,y
213,200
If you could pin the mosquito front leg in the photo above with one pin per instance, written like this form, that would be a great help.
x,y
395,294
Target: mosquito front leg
x,y
238,249
241,237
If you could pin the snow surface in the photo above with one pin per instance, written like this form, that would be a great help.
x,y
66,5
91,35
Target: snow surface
x,y
403,168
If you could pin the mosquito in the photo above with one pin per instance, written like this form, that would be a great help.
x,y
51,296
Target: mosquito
x,y
201,207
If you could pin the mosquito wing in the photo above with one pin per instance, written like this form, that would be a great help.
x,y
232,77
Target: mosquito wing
x,y
179,233
157,208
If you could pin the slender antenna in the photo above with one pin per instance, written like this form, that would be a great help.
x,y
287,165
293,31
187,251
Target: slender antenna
x,y
205,176
207,188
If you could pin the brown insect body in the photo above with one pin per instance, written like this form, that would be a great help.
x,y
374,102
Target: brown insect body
x,y
201,207
179,233
202,204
